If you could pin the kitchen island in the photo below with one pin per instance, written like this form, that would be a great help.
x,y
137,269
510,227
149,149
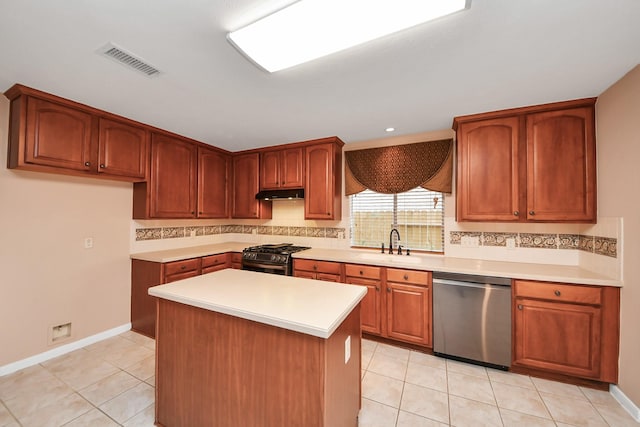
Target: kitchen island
x,y
236,348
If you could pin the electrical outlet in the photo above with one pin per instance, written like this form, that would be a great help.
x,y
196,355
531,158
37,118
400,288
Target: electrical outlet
x,y
511,243
192,233
347,349
60,332
88,242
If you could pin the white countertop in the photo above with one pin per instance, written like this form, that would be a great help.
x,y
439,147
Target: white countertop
x,y
170,255
312,307
513,270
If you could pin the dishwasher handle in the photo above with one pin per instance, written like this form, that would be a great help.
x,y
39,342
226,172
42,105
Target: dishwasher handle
x,y
469,284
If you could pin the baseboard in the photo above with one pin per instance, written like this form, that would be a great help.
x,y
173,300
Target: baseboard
x,y
63,349
626,403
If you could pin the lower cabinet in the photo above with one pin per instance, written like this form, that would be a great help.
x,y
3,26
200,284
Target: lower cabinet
x,y
566,329
146,274
370,308
318,270
236,260
397,304
409,294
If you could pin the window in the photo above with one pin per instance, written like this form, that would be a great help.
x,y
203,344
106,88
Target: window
x,y
418,215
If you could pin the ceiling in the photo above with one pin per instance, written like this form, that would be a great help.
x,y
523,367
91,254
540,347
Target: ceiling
x,y
498,54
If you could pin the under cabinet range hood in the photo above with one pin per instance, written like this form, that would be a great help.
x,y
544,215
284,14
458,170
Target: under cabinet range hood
x,y
287,194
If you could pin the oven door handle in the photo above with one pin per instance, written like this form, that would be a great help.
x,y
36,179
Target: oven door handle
x,y
268,266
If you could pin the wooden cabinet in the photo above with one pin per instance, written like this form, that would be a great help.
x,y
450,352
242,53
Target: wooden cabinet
x,y
186,181
323,182
246,183
532,164
146,274
408,306
370,306
318,270
52,134
566,329
282,168
213,183
236,260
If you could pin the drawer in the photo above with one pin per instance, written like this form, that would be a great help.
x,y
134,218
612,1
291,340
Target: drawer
x,y
319,266
213,268
422,278
366,271
214,260
179,276
192,264
236,257
558,292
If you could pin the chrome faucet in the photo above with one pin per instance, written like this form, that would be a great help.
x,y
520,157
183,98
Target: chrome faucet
x,y
391,240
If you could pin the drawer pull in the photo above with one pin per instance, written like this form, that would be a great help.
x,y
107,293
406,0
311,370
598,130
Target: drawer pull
x,y
519,306
406,277
361,272
183,267
315,267
557,293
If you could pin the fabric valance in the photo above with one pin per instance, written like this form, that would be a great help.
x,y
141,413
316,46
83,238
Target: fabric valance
x,y
400,168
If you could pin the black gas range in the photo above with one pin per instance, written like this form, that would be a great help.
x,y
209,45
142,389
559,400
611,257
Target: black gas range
x,y
273,258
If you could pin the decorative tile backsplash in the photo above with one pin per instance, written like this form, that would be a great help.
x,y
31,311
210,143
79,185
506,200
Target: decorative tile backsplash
x,y
600,245
157,233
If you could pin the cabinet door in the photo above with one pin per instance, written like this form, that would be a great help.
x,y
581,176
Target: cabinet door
x,y
173,178
213,181
561,166
488,170
245,187
305,274
409,313
556,336
122,149
291,168
370,309
57,136
320,200
270,169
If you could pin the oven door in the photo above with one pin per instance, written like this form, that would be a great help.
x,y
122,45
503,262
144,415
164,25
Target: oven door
x,y
280,269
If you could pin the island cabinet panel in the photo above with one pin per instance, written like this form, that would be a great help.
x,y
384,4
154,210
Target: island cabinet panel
x,y
213,183
566,329
52,134
323,182
409,306
530,164
215,370
318,270
282,168
370,306
246,184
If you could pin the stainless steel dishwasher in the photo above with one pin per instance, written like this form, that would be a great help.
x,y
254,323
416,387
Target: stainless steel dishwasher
x,y
472,318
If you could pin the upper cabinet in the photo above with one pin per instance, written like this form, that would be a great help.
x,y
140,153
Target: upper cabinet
x,y
186,181
51,134
323,182
246,183
532,164
282,168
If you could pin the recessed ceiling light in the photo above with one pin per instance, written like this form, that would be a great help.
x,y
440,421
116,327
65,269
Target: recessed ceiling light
x,y
309,29
389,129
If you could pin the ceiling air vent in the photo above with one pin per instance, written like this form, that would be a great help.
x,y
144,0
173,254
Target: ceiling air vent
x,y
127,59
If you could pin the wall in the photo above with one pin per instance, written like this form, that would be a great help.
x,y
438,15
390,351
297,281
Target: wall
x,y
48,278
618,136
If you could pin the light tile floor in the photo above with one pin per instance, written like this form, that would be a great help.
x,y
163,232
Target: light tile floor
x,y
111,383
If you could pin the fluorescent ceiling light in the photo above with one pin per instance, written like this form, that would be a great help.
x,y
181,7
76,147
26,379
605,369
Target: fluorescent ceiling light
x,y
309,29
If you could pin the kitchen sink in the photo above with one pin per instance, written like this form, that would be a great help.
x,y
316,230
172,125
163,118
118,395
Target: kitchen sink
x,y
389,259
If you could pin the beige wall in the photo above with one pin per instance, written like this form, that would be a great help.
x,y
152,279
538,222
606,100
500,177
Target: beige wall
x,y
48,278
618,136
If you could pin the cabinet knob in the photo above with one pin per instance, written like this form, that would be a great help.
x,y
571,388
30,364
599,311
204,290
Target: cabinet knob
x,y
389,290
557,293
102,166
361,272
406,277
87,164
377,288
315,267
516,213
519,306
532,213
